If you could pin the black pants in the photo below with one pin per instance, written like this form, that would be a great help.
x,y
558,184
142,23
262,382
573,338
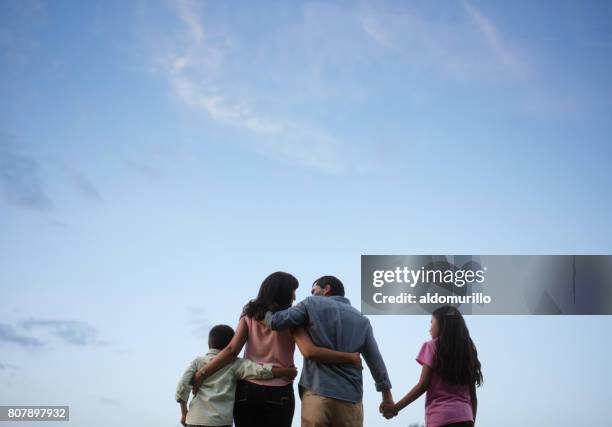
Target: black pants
x,y
258,405
461,424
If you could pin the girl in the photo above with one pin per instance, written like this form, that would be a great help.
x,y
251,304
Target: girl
x,y
450,374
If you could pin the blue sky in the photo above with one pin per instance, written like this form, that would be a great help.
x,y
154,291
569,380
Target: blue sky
x,y
159,159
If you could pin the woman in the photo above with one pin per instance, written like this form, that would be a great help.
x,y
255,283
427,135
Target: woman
x,y
269,402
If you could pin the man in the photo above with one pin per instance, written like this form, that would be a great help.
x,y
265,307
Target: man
x,y
332,394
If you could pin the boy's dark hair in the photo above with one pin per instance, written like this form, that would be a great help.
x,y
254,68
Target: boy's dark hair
x,y
456,355
336,286
220,336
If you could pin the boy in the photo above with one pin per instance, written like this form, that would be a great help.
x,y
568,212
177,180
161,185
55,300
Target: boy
x,y
213,405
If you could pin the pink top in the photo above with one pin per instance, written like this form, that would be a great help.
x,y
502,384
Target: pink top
x,y
267,346
445,402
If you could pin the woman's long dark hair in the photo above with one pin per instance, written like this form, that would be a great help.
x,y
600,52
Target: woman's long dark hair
x,y
275,293
456,355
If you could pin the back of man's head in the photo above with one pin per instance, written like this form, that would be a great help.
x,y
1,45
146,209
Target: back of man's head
x,y
335,285
220,336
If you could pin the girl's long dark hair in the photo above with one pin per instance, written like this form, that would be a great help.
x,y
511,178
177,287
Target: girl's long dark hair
x,y
456,355
275,293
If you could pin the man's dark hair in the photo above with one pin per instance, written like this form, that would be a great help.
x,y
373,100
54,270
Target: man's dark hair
x,y
220,336
335,285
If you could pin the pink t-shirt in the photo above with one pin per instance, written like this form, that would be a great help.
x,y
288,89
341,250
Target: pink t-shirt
x,y
267,346
445,402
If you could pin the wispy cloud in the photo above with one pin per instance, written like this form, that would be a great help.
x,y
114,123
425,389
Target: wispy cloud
x,y
147,171
191,64
84,186
29,333
494,41
195,65
8,334
9,369
7,366
109,401
73,332
467,48
20,177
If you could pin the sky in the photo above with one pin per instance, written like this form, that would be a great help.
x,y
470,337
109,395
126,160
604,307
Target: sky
x,y
159,159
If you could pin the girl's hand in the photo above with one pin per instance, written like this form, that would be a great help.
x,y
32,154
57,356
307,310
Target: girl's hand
x,y
357,360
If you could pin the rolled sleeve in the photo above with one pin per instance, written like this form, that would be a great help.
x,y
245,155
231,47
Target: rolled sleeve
x,y
375,362
289,318
183,387
245,369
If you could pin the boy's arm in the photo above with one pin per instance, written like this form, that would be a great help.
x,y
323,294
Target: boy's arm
x,y
321,354
289,373
183,386
246,369
183,413
289,318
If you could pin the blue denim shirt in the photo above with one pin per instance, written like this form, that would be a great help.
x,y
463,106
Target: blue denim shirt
x,y
333,323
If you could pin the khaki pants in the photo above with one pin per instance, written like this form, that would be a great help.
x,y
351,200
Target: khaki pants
x,y
320,411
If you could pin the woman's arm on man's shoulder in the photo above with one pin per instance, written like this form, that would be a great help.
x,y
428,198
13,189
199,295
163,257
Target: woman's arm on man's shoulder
x,y
321,354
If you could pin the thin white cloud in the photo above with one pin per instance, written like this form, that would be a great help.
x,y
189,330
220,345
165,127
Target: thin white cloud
x,y
374,28
192,61
459,48
189,16
194,65
493,39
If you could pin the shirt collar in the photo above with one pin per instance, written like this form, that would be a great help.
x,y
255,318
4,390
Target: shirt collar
x,y
213,351
341,299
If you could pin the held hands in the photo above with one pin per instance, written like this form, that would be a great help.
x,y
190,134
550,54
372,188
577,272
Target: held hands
x,y
388,410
